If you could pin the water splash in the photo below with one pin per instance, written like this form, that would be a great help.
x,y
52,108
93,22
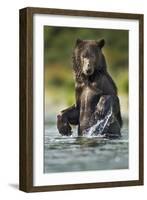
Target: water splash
x,y
101,126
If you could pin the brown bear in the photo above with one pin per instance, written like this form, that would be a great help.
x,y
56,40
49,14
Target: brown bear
x,y
95,91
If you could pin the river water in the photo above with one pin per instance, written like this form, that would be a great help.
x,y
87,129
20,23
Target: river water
x,y
68,154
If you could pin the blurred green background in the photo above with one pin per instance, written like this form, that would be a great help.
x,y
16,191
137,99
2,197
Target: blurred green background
x,y
59,43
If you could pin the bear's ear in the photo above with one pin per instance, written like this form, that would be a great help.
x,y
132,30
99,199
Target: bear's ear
x,y
101,43
79,41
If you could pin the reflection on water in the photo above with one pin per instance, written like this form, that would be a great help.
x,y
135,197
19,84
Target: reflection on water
x,y
67,154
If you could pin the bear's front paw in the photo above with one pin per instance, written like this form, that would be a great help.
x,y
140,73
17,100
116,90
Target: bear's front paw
x,y
99,114
103,106
63,126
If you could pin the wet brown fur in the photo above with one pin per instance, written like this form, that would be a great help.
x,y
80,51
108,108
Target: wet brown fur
x,y
95,86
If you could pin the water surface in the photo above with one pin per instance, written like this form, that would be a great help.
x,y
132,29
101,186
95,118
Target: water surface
x,y
67,154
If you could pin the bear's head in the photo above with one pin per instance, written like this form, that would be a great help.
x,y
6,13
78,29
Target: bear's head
x,y
88,56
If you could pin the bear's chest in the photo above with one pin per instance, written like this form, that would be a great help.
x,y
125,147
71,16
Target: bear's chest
x,y
88,93
89,97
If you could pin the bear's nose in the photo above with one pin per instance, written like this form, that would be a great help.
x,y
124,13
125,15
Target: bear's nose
x,y
88,71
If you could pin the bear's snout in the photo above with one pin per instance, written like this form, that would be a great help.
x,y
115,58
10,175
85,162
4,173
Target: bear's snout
x,y
88,71
88,66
